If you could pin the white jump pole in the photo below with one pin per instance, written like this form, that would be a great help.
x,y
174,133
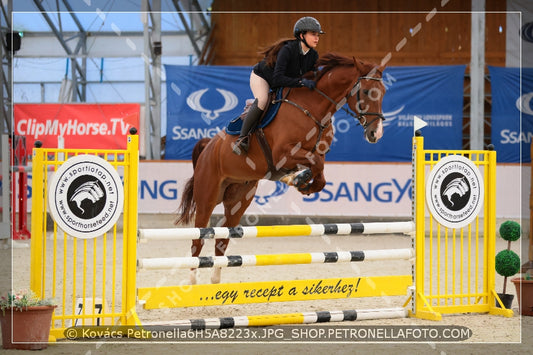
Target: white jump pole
x,y
276,231
274,259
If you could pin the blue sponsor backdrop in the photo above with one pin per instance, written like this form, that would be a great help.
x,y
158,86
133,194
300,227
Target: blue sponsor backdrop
x,y
508,136
203,99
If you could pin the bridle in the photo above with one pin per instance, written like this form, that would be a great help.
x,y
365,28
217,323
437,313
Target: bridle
x,y
360,116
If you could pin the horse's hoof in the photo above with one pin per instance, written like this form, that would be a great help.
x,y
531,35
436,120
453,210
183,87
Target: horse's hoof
x,y
215,277
304,188
302,178
298,178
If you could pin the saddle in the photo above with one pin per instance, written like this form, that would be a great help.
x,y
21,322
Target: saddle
x,y
274,103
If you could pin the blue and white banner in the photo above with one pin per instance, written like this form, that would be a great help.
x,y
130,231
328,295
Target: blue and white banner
x,y
512,113
201,100
433,93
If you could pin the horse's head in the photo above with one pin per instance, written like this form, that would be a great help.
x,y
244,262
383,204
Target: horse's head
x,y
365,100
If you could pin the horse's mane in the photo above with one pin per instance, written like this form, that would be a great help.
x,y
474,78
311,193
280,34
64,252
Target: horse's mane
x,y
329,61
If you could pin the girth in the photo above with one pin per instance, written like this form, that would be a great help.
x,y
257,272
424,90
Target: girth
x,y
274,173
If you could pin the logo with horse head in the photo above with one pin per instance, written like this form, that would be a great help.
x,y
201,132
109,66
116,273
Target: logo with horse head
x,y
86,196
454,191
194,102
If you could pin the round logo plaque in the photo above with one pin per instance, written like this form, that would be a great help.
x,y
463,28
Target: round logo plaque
x,y
454,191
86,196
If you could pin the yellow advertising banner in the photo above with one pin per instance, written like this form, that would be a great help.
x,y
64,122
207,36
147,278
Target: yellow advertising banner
x,y
272,291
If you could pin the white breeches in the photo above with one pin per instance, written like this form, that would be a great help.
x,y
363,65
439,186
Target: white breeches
x,y
260,89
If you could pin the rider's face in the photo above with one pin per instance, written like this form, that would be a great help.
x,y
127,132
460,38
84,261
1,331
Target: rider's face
x,y
311,38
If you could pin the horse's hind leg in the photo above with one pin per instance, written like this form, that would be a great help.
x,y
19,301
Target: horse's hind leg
x,y
206,200
237,198
196,248
220,248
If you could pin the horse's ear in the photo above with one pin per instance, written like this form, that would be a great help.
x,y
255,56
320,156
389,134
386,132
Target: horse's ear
x,y
357,63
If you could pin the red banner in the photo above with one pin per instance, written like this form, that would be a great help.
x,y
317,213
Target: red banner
x,y
85,126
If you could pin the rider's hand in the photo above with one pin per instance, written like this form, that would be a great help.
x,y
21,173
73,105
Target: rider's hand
x,y
310,84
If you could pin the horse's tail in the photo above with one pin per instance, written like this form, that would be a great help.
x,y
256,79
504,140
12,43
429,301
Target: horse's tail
x,y
187,207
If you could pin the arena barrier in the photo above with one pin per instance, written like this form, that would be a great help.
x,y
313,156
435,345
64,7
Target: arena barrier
x,y
280,290
95,279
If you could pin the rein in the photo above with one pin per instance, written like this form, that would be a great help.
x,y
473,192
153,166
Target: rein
x,y
361,116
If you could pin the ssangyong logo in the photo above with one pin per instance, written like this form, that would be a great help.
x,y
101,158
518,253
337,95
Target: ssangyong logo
x,y
524,103
230,101
86,196
527,32
454,191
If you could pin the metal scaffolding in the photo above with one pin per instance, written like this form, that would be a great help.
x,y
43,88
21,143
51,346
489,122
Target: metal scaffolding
x,y
5,28
63,42
147,43
6,112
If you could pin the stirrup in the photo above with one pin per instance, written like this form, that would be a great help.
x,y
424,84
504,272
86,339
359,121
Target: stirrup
x,y
240,147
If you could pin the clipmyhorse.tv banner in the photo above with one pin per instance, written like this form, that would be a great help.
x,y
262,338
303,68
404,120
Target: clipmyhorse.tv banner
x,y
201,100
95,126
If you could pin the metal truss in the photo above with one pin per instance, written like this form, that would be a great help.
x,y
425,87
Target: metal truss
x,y
74,46
5,87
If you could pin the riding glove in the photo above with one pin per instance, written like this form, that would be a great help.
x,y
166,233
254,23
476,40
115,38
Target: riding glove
x,y
310,84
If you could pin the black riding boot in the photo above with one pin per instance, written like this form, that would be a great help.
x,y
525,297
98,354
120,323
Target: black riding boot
x,y
242,144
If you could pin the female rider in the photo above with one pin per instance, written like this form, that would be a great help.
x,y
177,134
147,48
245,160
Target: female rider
x,y
284,64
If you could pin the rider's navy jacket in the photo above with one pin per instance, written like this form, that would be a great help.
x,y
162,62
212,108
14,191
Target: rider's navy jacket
x,y
291,64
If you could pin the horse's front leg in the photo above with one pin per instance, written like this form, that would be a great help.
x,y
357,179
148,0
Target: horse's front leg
x,y
317,184
237,197
306,166
299,178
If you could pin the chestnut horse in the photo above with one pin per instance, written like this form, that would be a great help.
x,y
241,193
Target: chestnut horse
x,y
298,138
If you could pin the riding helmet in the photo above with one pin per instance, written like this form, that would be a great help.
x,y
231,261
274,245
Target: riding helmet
x,y
307,24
